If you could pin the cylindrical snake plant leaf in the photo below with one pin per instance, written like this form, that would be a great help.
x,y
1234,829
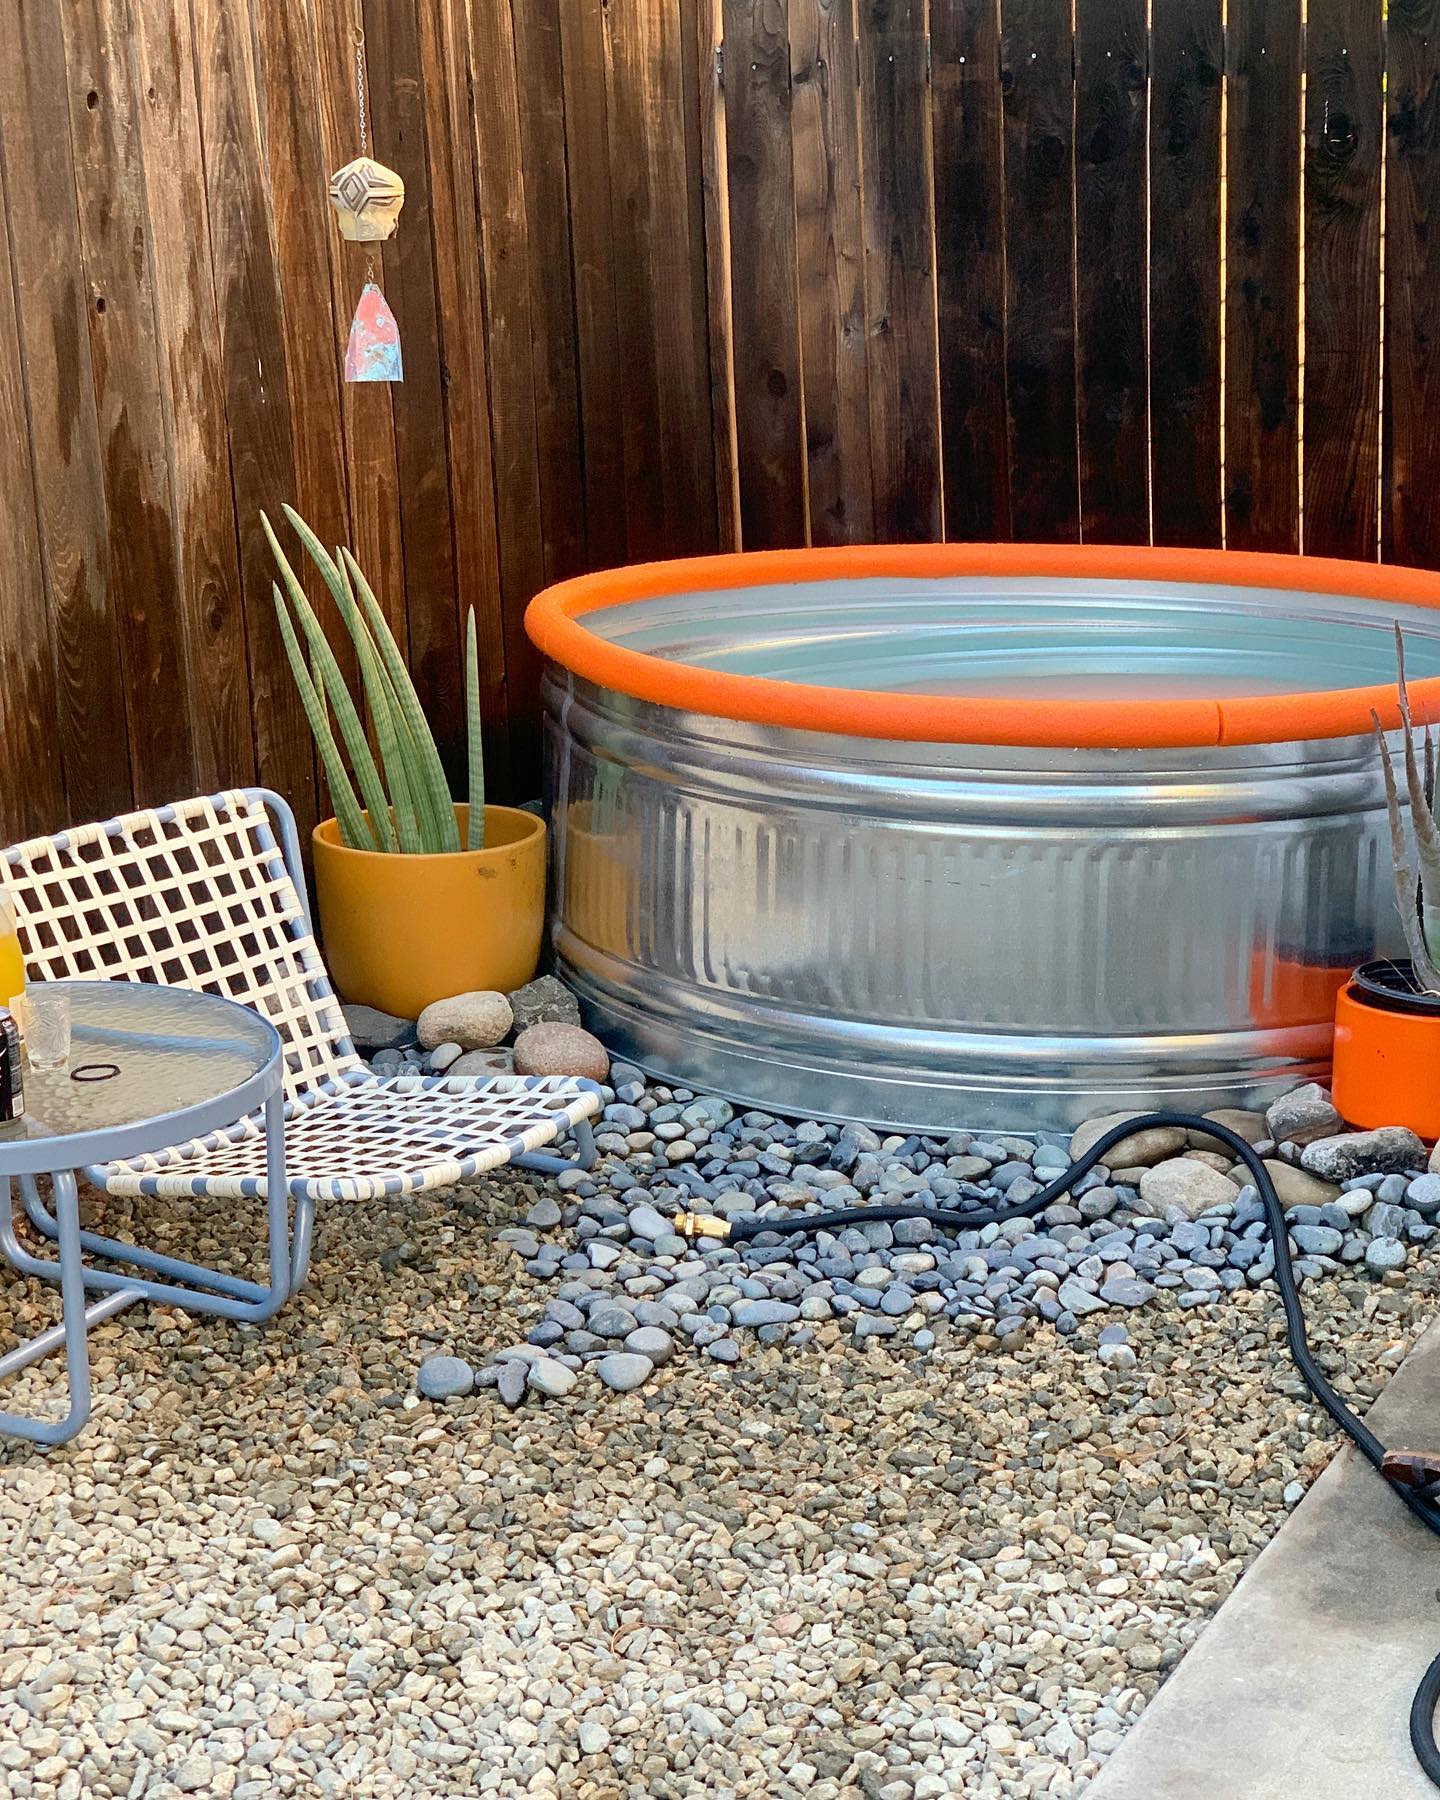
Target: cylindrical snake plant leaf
x,y
475,835
407,699
355,834
357,746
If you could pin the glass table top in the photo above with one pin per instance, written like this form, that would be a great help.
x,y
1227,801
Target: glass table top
x,y
170,1050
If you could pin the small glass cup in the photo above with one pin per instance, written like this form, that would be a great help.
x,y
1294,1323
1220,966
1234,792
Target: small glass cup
x,y
45,1023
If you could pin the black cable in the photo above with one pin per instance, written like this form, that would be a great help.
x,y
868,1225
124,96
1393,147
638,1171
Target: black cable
x,y
1427,1510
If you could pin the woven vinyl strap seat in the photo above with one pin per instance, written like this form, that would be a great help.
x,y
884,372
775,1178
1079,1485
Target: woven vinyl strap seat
x,y
204,894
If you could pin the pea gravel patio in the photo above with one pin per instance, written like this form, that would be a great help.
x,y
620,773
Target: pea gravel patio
x,y
852,1569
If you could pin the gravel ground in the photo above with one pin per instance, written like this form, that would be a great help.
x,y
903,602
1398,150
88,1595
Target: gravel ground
x,y
855,1567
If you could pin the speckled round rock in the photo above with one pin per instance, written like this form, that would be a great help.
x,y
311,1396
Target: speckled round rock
x,y
554,1049
474,1021
544,1001
445,1377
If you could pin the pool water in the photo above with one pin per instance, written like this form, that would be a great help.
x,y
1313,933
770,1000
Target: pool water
x,y
1028,638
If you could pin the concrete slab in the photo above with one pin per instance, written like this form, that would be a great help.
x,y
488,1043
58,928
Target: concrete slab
x,y
1302,1683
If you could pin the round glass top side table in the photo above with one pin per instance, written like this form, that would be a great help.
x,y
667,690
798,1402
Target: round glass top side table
x,y
149,1067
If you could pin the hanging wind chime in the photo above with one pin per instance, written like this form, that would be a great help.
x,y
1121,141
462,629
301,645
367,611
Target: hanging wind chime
x,y
367,198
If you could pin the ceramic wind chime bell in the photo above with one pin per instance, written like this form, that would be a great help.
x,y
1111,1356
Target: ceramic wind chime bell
x,y
367,198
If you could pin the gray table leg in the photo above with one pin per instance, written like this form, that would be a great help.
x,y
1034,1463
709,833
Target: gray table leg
x,y
193,1286
72,1332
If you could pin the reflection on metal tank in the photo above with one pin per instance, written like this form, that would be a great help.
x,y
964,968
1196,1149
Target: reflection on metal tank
x,y
942,935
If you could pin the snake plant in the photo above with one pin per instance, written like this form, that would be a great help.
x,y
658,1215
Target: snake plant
x,y
398,800
1417,897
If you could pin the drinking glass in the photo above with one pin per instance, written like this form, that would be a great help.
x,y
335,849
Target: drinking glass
x,y
45,1019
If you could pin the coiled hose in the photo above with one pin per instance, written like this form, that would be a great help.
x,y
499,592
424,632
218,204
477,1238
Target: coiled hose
x,y
1424,1507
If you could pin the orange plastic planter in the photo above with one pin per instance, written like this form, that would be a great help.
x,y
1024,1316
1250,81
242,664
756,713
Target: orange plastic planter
x,y
1387,1063
401,931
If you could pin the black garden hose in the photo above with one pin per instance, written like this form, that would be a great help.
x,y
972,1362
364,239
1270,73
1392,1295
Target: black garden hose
x,y
1419,1501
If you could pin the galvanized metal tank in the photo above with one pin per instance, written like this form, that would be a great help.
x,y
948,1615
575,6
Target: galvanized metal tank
x,y
933,933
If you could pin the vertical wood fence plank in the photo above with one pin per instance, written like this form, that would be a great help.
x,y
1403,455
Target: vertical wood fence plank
x,y
715,213
445,50
597,328
367,408
392,35
970,268
1035,79
505,247
110,203
900,269
257,399
1187,62
769,399
660,277
547,199
1262,353
1111,58
1342,277
32,779
191,380
304,220
830,257
55,348
1412,293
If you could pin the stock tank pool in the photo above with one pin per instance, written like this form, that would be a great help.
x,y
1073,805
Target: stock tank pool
x,y
975,835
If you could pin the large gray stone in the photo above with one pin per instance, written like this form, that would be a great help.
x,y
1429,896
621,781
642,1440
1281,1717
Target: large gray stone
x,y
371,1030
545,1000
1389,1151
495,1061
755,1313
1302,1114
551,1378
445,1377
1077,1299
1192,1186
622,1370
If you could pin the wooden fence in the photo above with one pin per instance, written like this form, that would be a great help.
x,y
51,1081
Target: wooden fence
x,y
672,276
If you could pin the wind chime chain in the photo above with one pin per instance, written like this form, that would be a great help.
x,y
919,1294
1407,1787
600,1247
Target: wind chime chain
x,y
359,35
360,89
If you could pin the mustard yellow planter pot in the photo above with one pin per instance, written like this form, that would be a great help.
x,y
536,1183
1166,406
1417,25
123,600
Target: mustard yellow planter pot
x,y
401,931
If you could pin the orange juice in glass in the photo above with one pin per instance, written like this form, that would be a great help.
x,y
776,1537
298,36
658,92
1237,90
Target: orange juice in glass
x,y
12,963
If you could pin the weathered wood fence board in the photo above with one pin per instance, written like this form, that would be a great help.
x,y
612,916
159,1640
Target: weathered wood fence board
x,y
673,275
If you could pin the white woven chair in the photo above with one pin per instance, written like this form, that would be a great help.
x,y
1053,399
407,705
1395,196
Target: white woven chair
x,y
209,894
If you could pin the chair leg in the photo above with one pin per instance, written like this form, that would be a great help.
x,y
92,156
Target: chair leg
x,y
76,1321
546,1164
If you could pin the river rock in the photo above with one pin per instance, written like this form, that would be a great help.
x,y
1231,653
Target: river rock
x,y
1296,1188
445,1377
554,1049
1141,1149
1389,1151
1192,1186
371,1030
622,1370
1303,1114
1252,1126
551,1378
497,1060
474,1021
544,1001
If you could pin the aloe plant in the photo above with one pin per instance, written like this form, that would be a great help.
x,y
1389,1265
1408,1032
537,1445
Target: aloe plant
x,y
1417,895
394,797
